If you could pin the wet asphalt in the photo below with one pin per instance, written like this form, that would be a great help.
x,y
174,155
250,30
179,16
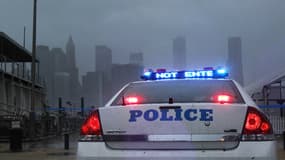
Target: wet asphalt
x,y
53,149
49,149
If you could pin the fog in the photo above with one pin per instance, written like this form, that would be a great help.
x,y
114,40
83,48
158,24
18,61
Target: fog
x,y
150,26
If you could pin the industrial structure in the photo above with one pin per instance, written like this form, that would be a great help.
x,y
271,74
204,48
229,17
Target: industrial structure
x,y
16,86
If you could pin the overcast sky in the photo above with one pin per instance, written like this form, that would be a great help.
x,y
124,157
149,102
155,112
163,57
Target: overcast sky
x,y
150,25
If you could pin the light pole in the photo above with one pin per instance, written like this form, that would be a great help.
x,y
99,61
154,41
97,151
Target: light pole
x,y
33,67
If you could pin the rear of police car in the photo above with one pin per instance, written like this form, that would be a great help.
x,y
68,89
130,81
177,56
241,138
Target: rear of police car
x,y
181,115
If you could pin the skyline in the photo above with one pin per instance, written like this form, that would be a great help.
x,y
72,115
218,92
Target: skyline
x,y
137,26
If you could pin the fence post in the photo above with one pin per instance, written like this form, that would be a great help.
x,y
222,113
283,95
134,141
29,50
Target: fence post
x,y
82,106
66,141
283,140
59,116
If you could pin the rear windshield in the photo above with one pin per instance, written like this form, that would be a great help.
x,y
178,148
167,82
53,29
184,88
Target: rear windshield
x,y
179,91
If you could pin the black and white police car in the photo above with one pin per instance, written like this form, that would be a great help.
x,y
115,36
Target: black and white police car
x,y
178,115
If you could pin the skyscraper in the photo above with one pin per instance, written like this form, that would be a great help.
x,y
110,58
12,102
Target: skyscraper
x,y
234,62
92,86
59,60
62,86
125,73
179,53
72,70
47,69
60,72
136,58
70,54
103,59
60,77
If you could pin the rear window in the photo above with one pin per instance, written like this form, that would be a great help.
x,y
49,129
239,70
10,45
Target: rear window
x,y
179,91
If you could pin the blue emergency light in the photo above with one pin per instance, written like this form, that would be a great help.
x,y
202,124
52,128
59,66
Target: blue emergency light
x,y
206,73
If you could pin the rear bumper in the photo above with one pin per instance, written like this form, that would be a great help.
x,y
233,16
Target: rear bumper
x,y
245,151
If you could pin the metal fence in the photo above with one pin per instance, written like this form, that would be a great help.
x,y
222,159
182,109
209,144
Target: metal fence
x,y
278,123
276,115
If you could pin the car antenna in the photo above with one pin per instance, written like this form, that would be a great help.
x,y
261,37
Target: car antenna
x,y
123,100
170,100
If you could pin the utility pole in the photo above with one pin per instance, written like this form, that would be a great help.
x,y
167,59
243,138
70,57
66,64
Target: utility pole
x,y
32,114
24,45
24,40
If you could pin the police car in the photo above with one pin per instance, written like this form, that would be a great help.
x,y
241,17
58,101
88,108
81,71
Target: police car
x,y
179,115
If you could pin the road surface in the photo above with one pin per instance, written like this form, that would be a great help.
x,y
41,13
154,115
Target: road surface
x,y
53,149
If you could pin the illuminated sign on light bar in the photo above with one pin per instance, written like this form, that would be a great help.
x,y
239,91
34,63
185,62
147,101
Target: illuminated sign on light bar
x,y
219,73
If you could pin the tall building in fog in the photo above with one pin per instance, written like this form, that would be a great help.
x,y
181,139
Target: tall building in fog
x,y
103,59
72,70
59,60
70,54
60,77
62,87
234,62
103,63
60,73
136,58
92,84
47,69
125,73
179,53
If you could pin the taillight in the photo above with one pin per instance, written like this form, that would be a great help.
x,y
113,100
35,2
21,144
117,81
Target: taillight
x,y
253,122
92,125
256,126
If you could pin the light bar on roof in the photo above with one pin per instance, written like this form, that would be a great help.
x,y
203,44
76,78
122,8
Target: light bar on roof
x,y
207,73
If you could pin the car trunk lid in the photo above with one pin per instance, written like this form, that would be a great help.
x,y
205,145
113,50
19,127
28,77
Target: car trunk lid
x,y
173,126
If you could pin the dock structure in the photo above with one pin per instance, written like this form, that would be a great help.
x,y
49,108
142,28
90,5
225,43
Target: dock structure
x,y
16,86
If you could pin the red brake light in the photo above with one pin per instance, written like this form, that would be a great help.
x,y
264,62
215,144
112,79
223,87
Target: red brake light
x,y
265,127
253,121
256,123
131,100
92,125
223,98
